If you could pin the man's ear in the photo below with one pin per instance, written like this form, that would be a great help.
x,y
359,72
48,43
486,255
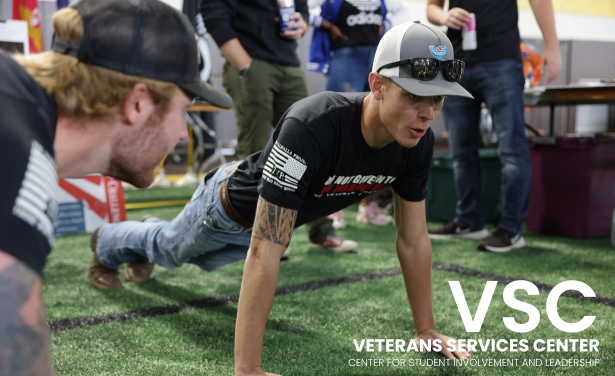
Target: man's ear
x,y
376,83
138,104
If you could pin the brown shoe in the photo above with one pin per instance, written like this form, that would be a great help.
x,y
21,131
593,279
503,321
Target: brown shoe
x,y
138,271
101,276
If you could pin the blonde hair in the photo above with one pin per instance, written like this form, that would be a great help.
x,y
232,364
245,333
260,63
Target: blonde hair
x,y
85,90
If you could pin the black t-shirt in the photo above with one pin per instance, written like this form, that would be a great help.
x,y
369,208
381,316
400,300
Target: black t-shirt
x,y
318,162
28,193
360,21
497,34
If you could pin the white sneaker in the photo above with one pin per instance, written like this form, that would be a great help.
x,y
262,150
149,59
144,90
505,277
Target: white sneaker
x,y
161,180
338,220
285,256
502,241
371,214
453,229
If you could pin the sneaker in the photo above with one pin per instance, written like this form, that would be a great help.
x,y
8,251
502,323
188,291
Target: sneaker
x,y
338,220
161,180
371,214
101,276
502,241
285,256
337,244
138,271
455,230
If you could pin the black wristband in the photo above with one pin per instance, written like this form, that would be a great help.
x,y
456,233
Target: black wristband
x,y
244,70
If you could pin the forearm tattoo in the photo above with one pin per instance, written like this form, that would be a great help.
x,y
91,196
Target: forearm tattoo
x,y
273,223
24,349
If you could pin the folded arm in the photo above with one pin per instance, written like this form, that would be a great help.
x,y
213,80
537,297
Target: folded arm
x,y
273,229
24,348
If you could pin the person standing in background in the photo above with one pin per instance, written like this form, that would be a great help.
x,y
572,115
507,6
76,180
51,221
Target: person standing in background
x,y
343,46
494,75
263,76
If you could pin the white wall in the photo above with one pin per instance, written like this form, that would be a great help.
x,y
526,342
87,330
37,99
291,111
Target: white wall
x,y
570,26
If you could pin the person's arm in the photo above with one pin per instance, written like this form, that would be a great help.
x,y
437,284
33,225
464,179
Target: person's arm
x,y
334,32
297,28
234,52
414,252
217,15
273,229
543,11
455,18
299,25
319,22
24,348
315,19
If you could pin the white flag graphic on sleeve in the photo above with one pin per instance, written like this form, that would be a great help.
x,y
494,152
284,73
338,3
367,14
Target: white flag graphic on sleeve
x,y
282,169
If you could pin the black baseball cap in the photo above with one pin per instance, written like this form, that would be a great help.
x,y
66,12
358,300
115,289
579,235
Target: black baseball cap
x,y
143,38
416,40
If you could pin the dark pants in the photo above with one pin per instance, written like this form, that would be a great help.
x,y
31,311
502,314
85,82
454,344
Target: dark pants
x,y
319,229
260,98
500,85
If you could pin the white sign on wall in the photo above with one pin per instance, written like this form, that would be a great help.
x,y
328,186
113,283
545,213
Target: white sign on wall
x,y
14,36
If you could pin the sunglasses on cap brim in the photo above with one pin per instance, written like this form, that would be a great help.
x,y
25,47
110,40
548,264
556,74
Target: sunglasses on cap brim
x,y
426,69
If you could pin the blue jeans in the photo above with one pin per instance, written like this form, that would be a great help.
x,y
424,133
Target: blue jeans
x,y
202,234
500,85
350,68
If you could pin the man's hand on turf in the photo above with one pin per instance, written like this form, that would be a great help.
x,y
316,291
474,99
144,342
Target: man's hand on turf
x,y
271,234
432,334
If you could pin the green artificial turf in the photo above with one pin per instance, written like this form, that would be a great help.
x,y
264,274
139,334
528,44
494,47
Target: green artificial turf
x,y
158,194
311,332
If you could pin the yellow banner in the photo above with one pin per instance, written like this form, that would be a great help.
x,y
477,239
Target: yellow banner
x,y
604,8
34,27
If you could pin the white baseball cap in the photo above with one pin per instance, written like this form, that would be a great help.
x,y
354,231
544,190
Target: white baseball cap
x,y
412,41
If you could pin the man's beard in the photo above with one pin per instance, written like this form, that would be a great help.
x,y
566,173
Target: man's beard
x,y
134,159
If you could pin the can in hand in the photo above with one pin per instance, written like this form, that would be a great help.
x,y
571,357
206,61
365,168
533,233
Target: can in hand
x,y
285,9
468,34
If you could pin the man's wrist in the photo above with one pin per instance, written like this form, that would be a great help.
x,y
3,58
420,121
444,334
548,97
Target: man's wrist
x,y
245,70
423,330
424,324
326,25
552,46
442,18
